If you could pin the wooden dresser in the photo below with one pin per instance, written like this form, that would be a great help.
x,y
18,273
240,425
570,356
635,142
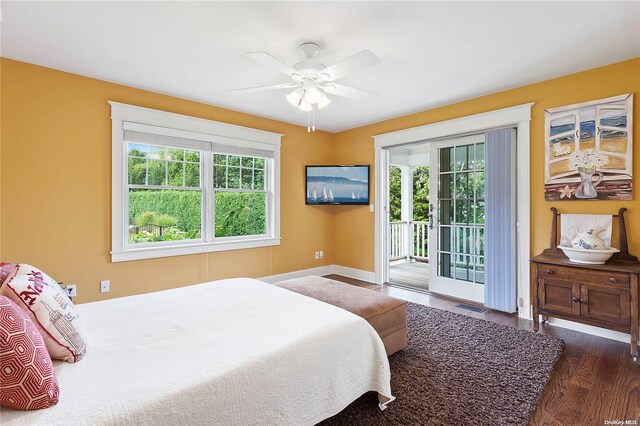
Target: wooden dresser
x,y
600,295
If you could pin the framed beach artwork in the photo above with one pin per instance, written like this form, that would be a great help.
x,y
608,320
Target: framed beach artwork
x,y
589,150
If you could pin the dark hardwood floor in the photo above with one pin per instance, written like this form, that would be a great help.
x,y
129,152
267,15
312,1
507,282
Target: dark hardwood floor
x,y
595,380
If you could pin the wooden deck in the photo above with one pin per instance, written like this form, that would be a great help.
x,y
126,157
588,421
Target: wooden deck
x,y
412,274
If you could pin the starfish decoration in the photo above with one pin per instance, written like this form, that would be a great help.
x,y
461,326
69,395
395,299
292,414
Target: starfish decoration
x,y
566,192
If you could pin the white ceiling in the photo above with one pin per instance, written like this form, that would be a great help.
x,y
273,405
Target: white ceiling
x,y
433,53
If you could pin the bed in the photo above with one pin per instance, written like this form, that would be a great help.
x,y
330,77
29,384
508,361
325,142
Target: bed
x,y
235,351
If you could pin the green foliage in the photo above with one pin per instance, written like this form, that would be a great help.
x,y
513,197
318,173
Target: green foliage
x,y
395,194
240,213
421,194
164,220
184,206
168,234
144,218
236,214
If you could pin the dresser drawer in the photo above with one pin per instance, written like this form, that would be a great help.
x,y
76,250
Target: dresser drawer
x,y
614,279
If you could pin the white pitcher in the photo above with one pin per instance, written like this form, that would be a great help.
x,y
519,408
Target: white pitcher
x,y
589,239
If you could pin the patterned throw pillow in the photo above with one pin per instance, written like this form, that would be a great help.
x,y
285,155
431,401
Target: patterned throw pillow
x,y
50,309
7,270
27,379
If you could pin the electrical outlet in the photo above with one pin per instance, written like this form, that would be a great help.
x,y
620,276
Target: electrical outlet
x,y
104,286
321,254
71,290
317,255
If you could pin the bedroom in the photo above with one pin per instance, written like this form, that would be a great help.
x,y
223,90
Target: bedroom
x,y
71,72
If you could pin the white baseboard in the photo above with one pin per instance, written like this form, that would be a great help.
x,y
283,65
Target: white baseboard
x,y
322,270
357,274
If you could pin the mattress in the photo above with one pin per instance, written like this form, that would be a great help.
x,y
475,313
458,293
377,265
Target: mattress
x,y
227,352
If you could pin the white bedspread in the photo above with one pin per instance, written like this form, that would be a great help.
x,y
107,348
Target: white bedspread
x,y
230,352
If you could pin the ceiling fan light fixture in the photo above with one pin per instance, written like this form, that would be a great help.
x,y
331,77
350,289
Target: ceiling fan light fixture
x,y
313,95
295,97
305,106
324,101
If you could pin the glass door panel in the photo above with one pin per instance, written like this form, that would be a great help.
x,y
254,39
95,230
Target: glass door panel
x,y
458,230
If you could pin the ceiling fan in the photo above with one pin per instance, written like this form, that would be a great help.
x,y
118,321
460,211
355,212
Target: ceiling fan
x,y
312,81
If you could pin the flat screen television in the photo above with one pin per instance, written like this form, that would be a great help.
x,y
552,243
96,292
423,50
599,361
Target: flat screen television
x,y
337,185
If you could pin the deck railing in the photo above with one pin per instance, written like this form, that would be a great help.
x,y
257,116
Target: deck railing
x,y
420,240
398,244
402,234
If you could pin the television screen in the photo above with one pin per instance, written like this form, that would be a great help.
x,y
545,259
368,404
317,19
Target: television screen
x,y
337,185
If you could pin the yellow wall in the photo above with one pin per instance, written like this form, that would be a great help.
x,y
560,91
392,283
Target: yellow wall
x,y
56,187
55,178
354,227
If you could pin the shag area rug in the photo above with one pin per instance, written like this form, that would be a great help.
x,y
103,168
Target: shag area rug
x,y
459,370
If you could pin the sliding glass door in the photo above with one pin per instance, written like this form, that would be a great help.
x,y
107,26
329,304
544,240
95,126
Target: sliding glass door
x,y
456,255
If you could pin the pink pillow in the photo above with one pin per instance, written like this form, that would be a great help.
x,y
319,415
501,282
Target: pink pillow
x,y
27,379
50,309
7,270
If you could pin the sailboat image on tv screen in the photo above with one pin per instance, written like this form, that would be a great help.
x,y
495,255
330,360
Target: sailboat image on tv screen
x,y
337,185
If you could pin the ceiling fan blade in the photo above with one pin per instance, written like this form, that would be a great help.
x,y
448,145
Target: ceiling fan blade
x,y
348,91
267,59
353,63
265,88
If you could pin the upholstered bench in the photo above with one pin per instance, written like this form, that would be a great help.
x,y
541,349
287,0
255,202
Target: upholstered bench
x,y
387,315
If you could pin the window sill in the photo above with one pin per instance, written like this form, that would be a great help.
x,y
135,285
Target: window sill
x,y
187,249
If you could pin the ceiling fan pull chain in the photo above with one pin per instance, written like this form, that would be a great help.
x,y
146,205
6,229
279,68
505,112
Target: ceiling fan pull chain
x,y
308,122
313,117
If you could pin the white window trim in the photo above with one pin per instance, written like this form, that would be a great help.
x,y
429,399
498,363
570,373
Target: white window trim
x,y
518,116
209,130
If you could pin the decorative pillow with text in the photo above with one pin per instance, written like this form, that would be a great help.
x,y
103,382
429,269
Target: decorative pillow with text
x,y
50,309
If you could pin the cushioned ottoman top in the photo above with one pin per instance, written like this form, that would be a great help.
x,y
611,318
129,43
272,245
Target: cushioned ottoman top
x,y
365,303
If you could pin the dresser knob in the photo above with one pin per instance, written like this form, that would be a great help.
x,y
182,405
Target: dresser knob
x,y
613,280
577,299
549,271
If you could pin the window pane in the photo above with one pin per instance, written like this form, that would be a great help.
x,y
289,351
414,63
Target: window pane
x,y
137,171
192,156
157,152
192,174
176,154
259,163
233,177
464,188
446,159
137,150
480,156
176,173
259,179
157,172
220,159
462,157
219,176
247,178
240,213
234,160
247,161
164,215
